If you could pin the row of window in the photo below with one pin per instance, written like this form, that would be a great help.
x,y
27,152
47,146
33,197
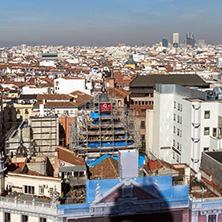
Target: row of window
x,y
178,106
179,132
177,157
178,147
24,218
179,118
31,190
207,131
135,102
64,111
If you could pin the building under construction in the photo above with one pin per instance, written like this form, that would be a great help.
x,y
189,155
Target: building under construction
x,y
104,128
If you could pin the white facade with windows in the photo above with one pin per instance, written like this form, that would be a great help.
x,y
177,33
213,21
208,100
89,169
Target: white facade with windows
x,y
183,124
68,85
19,210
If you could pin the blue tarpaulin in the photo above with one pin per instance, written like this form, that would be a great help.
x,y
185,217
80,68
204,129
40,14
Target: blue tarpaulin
x,y
95,161
108,144
94,115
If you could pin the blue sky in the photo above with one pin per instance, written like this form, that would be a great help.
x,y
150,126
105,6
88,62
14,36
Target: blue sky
x,y
103,22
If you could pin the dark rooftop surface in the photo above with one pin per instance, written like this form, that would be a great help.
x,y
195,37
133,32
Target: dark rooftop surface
x,y
216,155
178,79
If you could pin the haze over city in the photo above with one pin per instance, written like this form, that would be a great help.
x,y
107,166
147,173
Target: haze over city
x,y
75,22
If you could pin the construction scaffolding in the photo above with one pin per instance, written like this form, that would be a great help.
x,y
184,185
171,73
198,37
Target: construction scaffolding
x,y
45,134
104,128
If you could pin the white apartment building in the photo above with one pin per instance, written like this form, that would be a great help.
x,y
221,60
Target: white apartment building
x,y
67,85
182,125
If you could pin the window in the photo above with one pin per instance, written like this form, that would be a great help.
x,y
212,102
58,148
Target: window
x,y
174,143
206,131
81,174
206,149
175,105
214,132
178,146
174,117
178,132
127,192
143,110
212,218
143,137
178,159
142,125
173,155
174,129
24,218
29,189
181,120
41,190
7,217
42,219
178,119
178,107
207,114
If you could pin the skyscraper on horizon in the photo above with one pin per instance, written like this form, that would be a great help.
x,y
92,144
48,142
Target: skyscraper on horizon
x,y
176,40
190,40
164,42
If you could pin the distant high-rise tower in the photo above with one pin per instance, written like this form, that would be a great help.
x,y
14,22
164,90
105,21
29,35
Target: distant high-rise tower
x,y
190,39
164,42
175,40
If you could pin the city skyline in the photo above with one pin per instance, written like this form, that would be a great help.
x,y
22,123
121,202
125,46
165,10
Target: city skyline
x,y
107,22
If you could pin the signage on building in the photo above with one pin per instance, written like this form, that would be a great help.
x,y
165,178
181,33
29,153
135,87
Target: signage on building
x,y
105,107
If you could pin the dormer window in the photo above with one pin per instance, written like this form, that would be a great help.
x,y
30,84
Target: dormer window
x,y
127,191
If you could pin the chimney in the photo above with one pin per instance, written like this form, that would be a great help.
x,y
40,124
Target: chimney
x,y
41,109
128,163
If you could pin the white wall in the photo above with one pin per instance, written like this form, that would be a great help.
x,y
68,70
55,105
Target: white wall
x,y
66,86
162,128
35,90
19,180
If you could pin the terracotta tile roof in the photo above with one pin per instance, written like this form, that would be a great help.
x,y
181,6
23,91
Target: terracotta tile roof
x,y
106,169
53,97
68,156
117,92
34,173
80,97
57,104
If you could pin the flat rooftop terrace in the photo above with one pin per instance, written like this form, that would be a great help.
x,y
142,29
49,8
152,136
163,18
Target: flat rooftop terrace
x,y
217,155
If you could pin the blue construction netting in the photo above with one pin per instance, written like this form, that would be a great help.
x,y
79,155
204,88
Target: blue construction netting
x,y
96,122
108,144
96,115
95,161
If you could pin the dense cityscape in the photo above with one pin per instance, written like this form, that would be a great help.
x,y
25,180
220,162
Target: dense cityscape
x,y
111,133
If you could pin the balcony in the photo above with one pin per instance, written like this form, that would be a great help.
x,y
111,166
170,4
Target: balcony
x,y
28,204
215,143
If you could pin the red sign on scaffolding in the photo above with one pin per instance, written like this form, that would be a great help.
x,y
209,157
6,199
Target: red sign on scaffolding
x,y
105,107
